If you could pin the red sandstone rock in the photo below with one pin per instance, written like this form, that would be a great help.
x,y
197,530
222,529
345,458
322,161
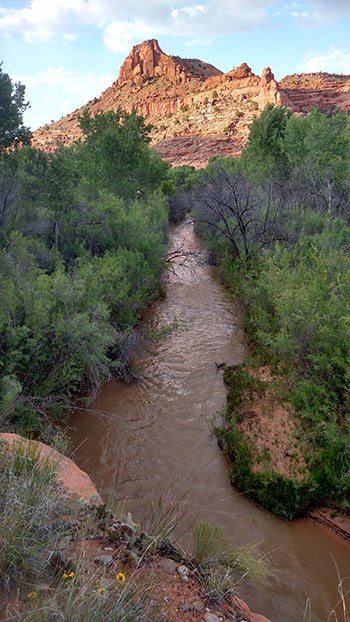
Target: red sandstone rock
x,y
269,92
243,71
74,480
189,99
241,607
242,76
147,61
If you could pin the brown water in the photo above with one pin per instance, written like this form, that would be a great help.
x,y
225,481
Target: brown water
x,y
152,438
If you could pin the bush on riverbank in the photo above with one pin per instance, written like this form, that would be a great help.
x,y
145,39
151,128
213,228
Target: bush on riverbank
x,y
82,246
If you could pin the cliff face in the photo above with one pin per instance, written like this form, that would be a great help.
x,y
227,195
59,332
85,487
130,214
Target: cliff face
x,y
323,90
147,61
196,110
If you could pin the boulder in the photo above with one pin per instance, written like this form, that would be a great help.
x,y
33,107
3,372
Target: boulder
x,y
75,481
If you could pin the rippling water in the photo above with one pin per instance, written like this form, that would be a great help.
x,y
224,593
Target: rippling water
x,y
152,438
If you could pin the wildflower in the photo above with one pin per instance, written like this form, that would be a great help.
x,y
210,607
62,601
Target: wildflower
x,y
120,577
32,595
68,575
101,590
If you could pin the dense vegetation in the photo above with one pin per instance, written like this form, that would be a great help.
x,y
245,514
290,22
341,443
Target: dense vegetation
x,y
278,220
82,234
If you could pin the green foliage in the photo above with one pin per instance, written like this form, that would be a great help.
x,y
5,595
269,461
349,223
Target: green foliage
x,y
182,175
220,162
35,518
298,305
81,252
264,151
115,154
12,106
319,141
52,336
77,601
277,221
286,497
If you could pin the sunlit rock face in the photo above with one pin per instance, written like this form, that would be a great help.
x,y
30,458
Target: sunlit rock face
x,y
195,110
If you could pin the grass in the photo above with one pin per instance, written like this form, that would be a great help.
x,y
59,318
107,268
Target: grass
x,y
340,612
163,519
35,517
285,496
39,582
89,597
222,568
31,509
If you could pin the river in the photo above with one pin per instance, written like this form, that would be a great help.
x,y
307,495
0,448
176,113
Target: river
x,y
151,439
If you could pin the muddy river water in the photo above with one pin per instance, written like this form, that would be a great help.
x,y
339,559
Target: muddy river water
x,y
152,439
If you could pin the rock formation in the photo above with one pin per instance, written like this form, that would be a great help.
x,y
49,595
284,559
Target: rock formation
x,y
324,90
270,92
75,481
147,61
196,110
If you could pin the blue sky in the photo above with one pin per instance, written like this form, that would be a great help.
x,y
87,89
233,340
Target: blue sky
x,y
68,51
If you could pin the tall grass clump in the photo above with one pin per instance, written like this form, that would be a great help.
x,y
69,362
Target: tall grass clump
x,y
31,509
221,567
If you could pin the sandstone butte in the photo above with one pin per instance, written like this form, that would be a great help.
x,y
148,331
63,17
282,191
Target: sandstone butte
x,y
196,110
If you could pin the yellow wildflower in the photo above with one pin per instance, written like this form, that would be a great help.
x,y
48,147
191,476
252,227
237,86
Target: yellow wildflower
x,y
101,590
120,577
32,595
68,575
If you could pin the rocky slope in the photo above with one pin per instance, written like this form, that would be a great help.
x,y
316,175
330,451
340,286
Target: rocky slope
x,y
323,90
196,110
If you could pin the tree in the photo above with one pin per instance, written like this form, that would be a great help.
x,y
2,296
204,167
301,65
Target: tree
x,y
264,151
116,156
226,205
12,106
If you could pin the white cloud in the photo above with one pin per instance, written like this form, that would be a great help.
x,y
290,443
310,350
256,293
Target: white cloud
x,y
42,20
194,42
121,36
317,12
189,11
124,22
306,18
62,91
331,8
336,60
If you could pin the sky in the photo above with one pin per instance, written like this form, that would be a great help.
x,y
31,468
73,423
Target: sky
x,y
67,52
